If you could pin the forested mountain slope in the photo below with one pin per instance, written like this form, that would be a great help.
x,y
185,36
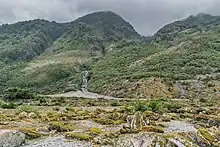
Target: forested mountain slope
x,y
41,54
181,59
187,64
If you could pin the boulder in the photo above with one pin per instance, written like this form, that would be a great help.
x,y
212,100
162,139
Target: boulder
x,y
10,138
23,115
32,115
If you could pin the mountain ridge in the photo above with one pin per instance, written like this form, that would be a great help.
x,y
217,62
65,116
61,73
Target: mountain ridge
x,y
122,63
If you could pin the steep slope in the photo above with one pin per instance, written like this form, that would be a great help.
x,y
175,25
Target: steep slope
x,y
193,24
94,32
187,66
182,60
66,50
21,42
26,40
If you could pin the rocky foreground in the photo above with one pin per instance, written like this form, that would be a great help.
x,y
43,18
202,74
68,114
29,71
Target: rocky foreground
x,y
112,123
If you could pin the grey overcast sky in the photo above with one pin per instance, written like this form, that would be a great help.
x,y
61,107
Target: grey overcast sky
x,y
147,16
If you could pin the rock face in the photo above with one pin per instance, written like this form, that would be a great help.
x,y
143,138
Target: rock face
x,y
177,126
59,141
10,138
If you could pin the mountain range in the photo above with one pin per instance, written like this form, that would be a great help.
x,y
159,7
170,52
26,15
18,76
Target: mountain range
x,y
182,59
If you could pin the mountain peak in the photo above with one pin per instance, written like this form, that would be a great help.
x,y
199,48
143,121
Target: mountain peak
x,y
106,24
103,17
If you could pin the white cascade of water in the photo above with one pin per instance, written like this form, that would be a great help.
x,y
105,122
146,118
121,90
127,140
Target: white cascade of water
x,y
85,81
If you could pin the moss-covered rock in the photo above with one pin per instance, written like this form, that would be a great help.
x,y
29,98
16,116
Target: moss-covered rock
x,y
30,133
156,129
32,115
118,122
23,115
206,134
127,109
61,127
104,121
82,113
2,117
54,116
95,131
102,140
127,130
147,113
78,135
116,116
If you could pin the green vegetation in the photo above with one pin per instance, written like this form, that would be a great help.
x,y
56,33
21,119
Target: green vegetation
x,y
61,127
8,105
95,131
27,108
206,134
49,57
152,129
17,94
141,118
128,71
78,135
157,105
31,133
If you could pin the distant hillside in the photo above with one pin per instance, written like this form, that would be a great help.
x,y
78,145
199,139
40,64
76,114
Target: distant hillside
x,y
180,60
93,32
28,39
50,54
199,23
176,64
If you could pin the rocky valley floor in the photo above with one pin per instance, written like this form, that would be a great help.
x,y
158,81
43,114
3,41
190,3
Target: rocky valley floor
x,y
74,122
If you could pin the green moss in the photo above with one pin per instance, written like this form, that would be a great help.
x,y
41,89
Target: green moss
x,y
104,121
147,113
95,131
2,117
61,127
129,109
82,113
54,116
152,129
206,134
78,135
118,122
28,109
31,133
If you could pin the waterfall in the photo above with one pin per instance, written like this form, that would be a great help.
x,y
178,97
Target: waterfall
x,y
85,81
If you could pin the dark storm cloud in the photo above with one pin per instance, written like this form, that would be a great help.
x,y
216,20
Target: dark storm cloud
x,y
145,15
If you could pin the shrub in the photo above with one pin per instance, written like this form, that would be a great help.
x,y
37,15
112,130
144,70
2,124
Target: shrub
x,y
17,93
141,107
9,106
115,104
163,105
42,100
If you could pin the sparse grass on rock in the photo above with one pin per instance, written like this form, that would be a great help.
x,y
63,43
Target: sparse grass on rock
x,y
78,135
31,133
